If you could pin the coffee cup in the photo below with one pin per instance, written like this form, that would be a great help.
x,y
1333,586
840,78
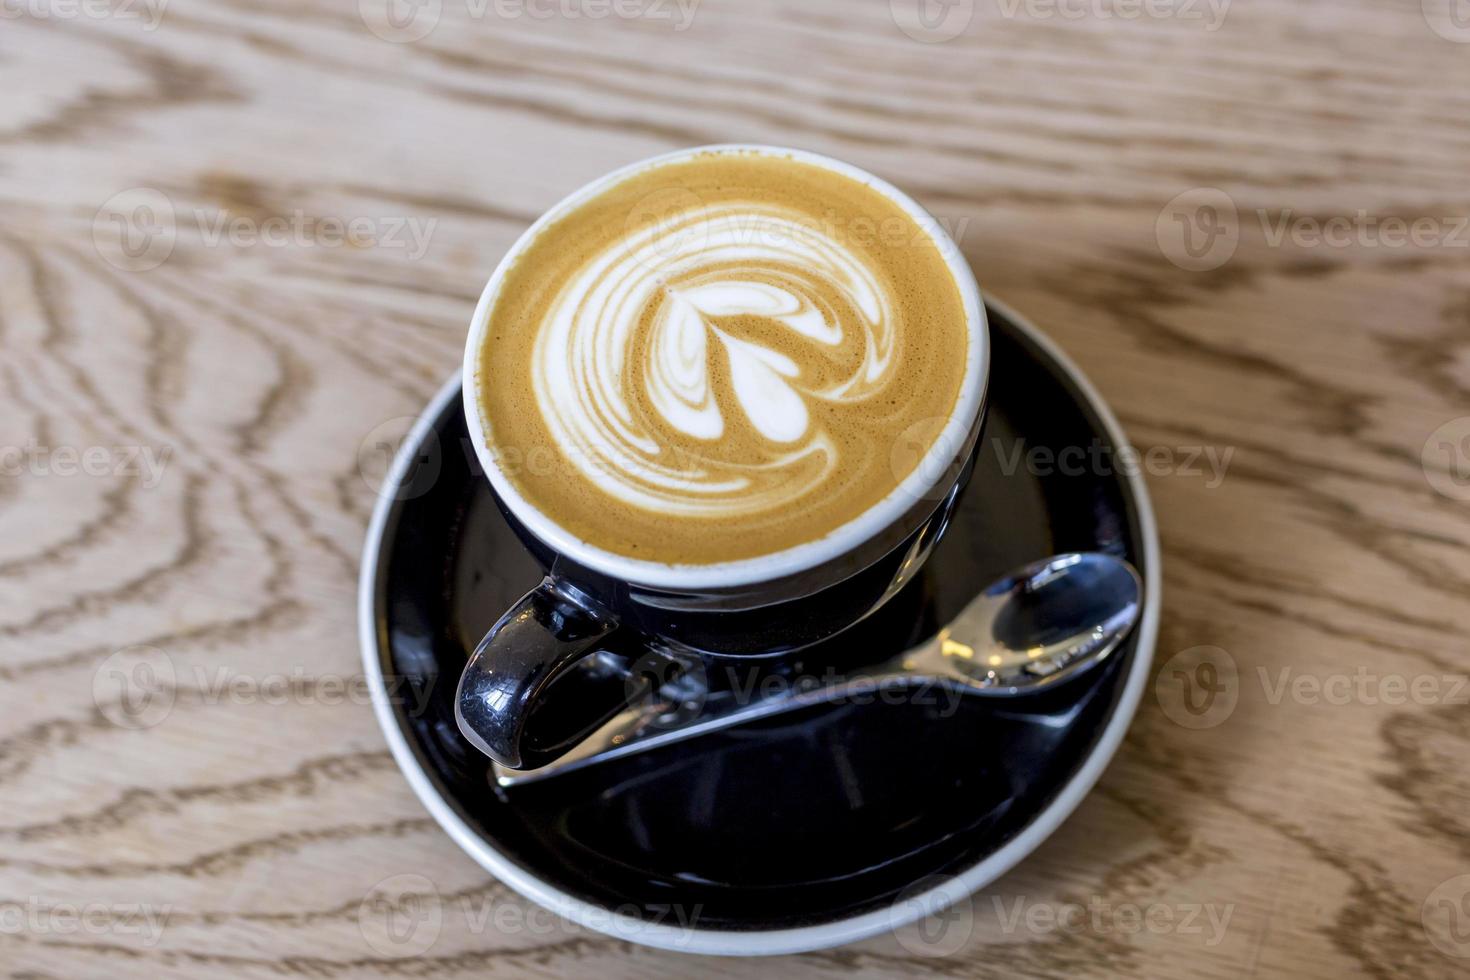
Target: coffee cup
x,y
566,656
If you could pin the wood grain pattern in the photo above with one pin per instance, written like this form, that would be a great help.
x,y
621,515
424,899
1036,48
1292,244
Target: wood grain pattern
x,y
260,374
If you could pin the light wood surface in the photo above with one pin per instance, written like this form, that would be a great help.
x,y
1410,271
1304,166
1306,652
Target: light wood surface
x,y
262,375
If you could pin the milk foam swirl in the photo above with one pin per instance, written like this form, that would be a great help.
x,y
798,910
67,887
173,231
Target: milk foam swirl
x,y
647,385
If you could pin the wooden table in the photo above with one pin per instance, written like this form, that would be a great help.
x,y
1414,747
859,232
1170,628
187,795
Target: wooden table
x,y
198,376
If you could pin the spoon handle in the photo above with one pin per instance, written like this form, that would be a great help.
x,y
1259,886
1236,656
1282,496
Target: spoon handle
x,y
660,721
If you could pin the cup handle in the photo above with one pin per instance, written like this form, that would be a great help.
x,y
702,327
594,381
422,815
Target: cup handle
x,y
552,629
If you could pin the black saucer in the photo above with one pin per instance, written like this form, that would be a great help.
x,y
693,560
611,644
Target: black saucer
x,y
812,821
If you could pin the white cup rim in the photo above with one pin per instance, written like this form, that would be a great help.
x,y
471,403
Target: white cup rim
x,y
788,561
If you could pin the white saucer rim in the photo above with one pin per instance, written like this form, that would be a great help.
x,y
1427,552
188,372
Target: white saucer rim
x,y
802,938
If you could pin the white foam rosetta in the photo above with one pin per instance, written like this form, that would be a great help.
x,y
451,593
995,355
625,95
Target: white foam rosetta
x,y
697,270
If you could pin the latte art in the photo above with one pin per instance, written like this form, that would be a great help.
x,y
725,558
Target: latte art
x,y
626,355
729,378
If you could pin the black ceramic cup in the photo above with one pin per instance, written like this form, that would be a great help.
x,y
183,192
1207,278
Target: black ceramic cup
x,y
573,650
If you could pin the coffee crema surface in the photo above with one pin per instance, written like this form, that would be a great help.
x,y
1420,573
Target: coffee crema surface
x,y
720,357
